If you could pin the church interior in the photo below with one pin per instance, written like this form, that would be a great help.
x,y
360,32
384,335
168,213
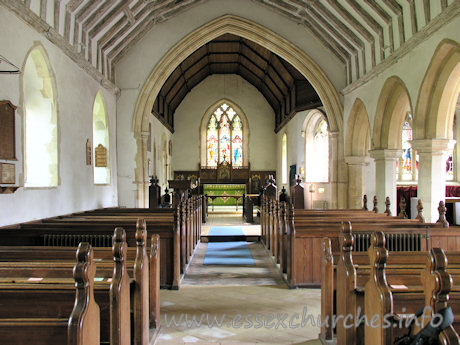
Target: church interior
x,y
162,158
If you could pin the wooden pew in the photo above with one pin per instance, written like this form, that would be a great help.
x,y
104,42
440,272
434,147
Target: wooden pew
x,y
302,238
119,304
353,272
175,235
345,275
380,300
82,327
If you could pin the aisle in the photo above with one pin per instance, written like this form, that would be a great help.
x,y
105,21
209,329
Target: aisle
x,y
218,304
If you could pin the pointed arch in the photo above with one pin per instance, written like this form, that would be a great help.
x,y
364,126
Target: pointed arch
x,y
284,160
357,140
316,129
438,94
196,39
392,107
41,159
101,171
204,126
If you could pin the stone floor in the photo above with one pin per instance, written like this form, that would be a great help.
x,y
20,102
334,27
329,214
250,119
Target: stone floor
x,y
237,305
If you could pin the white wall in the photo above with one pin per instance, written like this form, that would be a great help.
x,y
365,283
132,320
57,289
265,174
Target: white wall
x,y
188,116
75,92
155,44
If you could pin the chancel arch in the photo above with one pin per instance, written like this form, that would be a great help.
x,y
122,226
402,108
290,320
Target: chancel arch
x,y
196,39
392,108
436,107
219,116
357,145
41,160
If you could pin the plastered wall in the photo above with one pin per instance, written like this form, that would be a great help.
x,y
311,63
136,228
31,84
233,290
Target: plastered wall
x,y
260,117
75,92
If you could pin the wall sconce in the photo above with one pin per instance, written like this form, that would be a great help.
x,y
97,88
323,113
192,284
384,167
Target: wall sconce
x,y
301,171
321,190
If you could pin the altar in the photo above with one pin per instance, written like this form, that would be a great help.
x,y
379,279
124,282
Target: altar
x,y
225,194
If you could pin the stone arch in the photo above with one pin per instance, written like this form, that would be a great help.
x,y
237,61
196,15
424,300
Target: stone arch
x,y
392,107
197,38
357,145
312,119
435,111
46,159
437,97
204,124
358,131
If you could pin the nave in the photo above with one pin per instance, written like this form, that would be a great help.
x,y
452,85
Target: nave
x,y
226,291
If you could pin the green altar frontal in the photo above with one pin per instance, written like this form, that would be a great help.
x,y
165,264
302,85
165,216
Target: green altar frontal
x,y
224,191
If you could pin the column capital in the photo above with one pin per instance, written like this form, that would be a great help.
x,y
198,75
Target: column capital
x,y
334,135
145,134
386,154
434,146
357,160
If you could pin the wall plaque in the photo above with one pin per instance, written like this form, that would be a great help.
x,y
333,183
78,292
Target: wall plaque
x,y
88,152
101,156
7,131
7,173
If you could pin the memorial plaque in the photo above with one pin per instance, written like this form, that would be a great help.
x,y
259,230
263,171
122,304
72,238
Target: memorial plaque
x,y
7,131
7,173
88,152
101,156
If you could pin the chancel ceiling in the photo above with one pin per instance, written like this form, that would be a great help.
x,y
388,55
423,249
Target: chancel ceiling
x,y
284,88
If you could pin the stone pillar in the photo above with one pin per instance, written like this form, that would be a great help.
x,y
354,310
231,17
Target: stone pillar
x,y
356,180
385,174
333,170
145,175
432,173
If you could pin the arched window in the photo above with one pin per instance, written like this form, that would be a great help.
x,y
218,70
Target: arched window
x,y
224,137
100,142
407,165
40,123
284,169
317,149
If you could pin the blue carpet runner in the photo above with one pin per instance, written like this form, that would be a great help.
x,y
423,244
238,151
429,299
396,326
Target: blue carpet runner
x,y
226,231
227,253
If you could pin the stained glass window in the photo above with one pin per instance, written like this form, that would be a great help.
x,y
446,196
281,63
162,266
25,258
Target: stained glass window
x,y
407,166
450,166
237,142
224,137
212,144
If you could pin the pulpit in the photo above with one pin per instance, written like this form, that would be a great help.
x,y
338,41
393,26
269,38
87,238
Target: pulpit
x,y
180,188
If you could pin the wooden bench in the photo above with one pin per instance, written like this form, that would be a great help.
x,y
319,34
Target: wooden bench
x,y
437,294
79,327
179,233
113,286
346,280
298,236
